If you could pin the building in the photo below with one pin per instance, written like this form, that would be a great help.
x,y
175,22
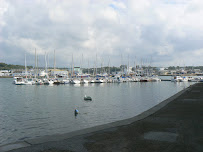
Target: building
x,y
58,72
5,73
77,70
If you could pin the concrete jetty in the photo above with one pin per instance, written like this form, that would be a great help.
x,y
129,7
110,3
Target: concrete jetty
x,y
174,125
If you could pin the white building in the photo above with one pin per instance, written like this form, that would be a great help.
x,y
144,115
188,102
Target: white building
x,y
4,72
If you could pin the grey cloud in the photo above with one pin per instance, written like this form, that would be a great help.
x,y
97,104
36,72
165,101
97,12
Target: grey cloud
x,y
91,28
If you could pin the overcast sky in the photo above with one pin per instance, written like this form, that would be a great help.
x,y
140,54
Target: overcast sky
x,y
156,32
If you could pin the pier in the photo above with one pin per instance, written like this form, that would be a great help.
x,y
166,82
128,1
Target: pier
x,y
173,125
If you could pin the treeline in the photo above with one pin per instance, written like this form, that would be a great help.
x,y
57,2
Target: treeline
x,y
186,67
4,66
101,70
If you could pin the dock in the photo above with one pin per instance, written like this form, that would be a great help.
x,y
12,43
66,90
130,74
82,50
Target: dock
x,y
165,80
174,125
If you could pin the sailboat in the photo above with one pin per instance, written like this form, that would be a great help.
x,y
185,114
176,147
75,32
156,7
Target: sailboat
x,y
28,81
21,80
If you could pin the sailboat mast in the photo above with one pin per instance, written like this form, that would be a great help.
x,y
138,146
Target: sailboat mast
x,y
122,64
128,66
47,60
88,67
35,63
72,67
94,69
135,64
25,67
101,71
109,66
96,64
45,63
81,63
54,60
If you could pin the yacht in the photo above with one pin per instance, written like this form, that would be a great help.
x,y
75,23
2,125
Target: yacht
x,y
154,78
176,79
144,79
29,81
48,81
66,81
184,79
98,80
18,81
74,81
134,79
38,82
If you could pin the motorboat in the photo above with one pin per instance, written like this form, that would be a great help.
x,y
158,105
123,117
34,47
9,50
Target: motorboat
x,y
74,81
176,79
19,81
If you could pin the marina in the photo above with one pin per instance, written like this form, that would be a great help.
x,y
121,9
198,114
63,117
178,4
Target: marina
x,y
101,76
106,79
32,111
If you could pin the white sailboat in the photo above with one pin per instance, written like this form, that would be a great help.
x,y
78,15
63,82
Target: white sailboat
x,y
23,81
26,80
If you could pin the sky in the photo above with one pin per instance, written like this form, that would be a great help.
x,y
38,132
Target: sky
x,y
102,32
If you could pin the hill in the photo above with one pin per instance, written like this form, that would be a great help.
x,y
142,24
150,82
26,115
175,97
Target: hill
x,y
4,66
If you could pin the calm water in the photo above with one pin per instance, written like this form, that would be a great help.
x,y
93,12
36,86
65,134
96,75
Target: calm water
x,y
34,111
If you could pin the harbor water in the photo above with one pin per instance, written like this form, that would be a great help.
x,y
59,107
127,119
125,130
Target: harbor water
x,y
32,111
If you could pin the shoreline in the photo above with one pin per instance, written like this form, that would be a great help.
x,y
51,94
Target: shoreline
x,y
158,75
61,137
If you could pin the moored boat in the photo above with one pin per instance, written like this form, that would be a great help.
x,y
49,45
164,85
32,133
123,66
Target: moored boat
x,y
19,81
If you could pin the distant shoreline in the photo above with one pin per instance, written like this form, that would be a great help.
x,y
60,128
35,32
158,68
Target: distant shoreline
x,y
158,75
6,76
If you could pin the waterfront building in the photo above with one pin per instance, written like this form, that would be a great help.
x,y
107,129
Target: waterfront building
x,y
77,70
60,73
5,73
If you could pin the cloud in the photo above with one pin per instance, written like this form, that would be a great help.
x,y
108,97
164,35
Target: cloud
x,y
162,29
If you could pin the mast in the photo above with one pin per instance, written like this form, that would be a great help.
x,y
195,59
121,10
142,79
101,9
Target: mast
x,y
88,67
109,66
45,62
35,63
72,71
96,64
122,64
54,62
94,69
101,71
128,66
135,64
45,58
37,66
25,67
150,66
81,63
